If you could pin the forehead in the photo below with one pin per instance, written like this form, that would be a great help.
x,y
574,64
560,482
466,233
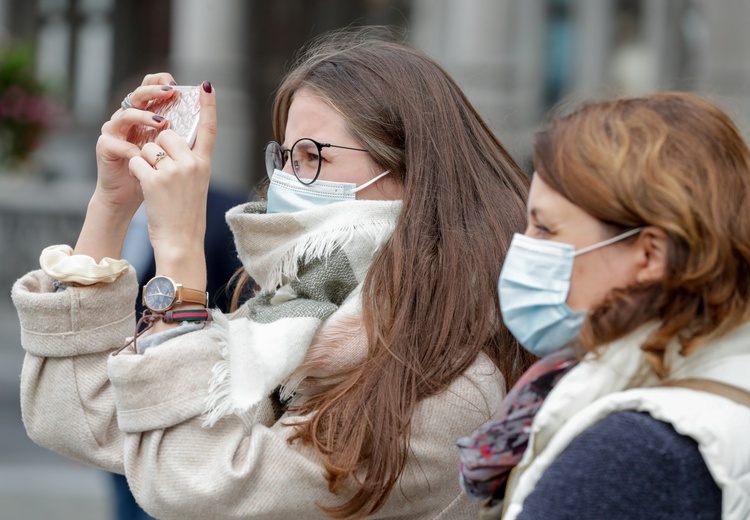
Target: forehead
x,y
312,116
547,203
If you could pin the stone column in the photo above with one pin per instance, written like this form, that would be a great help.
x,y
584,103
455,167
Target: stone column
x,y
208,44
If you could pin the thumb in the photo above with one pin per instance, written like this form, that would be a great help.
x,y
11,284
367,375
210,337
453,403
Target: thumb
x,y
207,125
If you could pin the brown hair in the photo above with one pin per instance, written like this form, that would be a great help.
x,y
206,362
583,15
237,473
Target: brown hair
x,y
677,162
430,304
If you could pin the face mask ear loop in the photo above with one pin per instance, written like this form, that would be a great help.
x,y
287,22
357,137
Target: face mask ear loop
x,y
371,181
608,241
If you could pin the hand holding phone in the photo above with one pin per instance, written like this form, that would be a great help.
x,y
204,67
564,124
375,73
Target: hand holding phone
x,y
181,112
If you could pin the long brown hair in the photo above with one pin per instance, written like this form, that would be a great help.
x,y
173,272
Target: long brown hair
x,y
430,304
677,162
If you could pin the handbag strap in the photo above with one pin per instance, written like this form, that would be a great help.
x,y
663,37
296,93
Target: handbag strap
x,y
737,395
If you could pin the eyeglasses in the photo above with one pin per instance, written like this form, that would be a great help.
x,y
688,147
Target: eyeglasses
x,y
305,154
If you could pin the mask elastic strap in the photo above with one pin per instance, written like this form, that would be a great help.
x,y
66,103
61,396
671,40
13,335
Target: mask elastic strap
x,y
609,241
371,181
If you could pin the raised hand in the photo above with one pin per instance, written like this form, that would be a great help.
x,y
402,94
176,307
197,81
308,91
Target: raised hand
x,y
174,180
118,194
113,152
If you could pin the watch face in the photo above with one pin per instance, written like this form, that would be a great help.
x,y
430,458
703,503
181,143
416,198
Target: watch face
x,y
159,294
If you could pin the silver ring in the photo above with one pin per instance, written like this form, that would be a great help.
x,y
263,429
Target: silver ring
x,y
159,156
125,104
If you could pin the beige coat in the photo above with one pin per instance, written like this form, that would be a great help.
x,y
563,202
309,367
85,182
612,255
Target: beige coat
x,y
142,415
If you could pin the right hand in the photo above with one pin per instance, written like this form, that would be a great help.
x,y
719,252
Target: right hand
x,y
118,194
116,187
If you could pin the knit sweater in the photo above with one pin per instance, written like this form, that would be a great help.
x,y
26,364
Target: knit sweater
x,y
628,466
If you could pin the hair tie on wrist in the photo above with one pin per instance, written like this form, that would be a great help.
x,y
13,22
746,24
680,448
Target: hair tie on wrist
x,y
59,263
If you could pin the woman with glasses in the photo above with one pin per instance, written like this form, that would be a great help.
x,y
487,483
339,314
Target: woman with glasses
x,y
372,341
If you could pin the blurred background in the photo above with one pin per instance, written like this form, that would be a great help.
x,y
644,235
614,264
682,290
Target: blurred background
x,y
66,64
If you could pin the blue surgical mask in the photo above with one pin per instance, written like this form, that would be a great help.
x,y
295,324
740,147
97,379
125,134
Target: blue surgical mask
x,y
534,286
287,195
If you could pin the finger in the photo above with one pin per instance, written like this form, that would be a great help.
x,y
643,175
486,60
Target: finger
x,y
174,144
141,96
154,154
141,170
124,120
207,125
112,148
160,78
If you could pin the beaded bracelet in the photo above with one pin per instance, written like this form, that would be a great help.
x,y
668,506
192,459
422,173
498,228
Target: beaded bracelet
x,y
150,318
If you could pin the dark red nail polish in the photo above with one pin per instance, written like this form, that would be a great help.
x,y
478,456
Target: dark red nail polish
x,y
166,87
173,83
207,86
158,119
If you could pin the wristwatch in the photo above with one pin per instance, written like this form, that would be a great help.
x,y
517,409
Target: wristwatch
x,y
161,293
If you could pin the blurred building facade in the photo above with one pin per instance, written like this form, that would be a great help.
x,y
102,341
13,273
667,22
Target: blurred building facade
x,y
516,59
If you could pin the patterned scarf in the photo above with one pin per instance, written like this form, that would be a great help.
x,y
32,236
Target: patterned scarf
x,y
489,454
309,267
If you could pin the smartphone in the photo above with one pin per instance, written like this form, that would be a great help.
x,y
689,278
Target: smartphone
x,y
181,112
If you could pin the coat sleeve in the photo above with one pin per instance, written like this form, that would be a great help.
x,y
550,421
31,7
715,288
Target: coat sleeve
x,y
144,415
179,468
66,399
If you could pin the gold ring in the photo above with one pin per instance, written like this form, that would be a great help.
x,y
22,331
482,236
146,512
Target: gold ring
x,y
159,156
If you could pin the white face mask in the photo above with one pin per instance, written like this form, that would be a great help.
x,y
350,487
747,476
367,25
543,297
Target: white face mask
x,y
534,285
287,195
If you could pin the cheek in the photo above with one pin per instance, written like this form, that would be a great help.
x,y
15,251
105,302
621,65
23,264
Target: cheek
x,y
594,277
342,173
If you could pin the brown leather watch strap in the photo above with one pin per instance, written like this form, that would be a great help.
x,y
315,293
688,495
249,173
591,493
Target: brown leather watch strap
x,y
187,295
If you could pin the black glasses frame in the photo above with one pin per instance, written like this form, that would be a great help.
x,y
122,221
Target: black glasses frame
x,y
271,166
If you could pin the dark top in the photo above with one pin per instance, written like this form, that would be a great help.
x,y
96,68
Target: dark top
x,y
628,466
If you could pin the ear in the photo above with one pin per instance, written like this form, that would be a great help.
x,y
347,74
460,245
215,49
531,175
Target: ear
x,y
652,242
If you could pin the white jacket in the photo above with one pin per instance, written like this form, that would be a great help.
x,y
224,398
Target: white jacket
x,y
620,378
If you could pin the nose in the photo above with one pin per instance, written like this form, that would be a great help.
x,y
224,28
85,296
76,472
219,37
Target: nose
x,y
287,168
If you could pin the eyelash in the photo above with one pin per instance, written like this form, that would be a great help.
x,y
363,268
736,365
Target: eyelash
x,y
542,230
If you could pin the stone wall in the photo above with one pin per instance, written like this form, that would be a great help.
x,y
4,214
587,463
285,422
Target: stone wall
x,y
33,215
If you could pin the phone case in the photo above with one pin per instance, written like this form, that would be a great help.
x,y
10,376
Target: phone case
x,y
181,111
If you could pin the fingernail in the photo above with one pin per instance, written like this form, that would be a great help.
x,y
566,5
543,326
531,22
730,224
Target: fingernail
x,y
173,83
158,119
207,86
166,87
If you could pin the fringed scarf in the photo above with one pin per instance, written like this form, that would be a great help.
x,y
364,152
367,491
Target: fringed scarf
x,y
309,267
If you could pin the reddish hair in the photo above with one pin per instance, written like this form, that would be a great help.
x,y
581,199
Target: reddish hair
x,y
677,162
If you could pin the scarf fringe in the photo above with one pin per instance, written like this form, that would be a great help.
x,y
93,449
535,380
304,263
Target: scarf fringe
x,y
323,366
219,402
321,245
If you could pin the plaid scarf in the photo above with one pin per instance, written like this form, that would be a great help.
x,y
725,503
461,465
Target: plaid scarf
x,y
308,265
489,454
